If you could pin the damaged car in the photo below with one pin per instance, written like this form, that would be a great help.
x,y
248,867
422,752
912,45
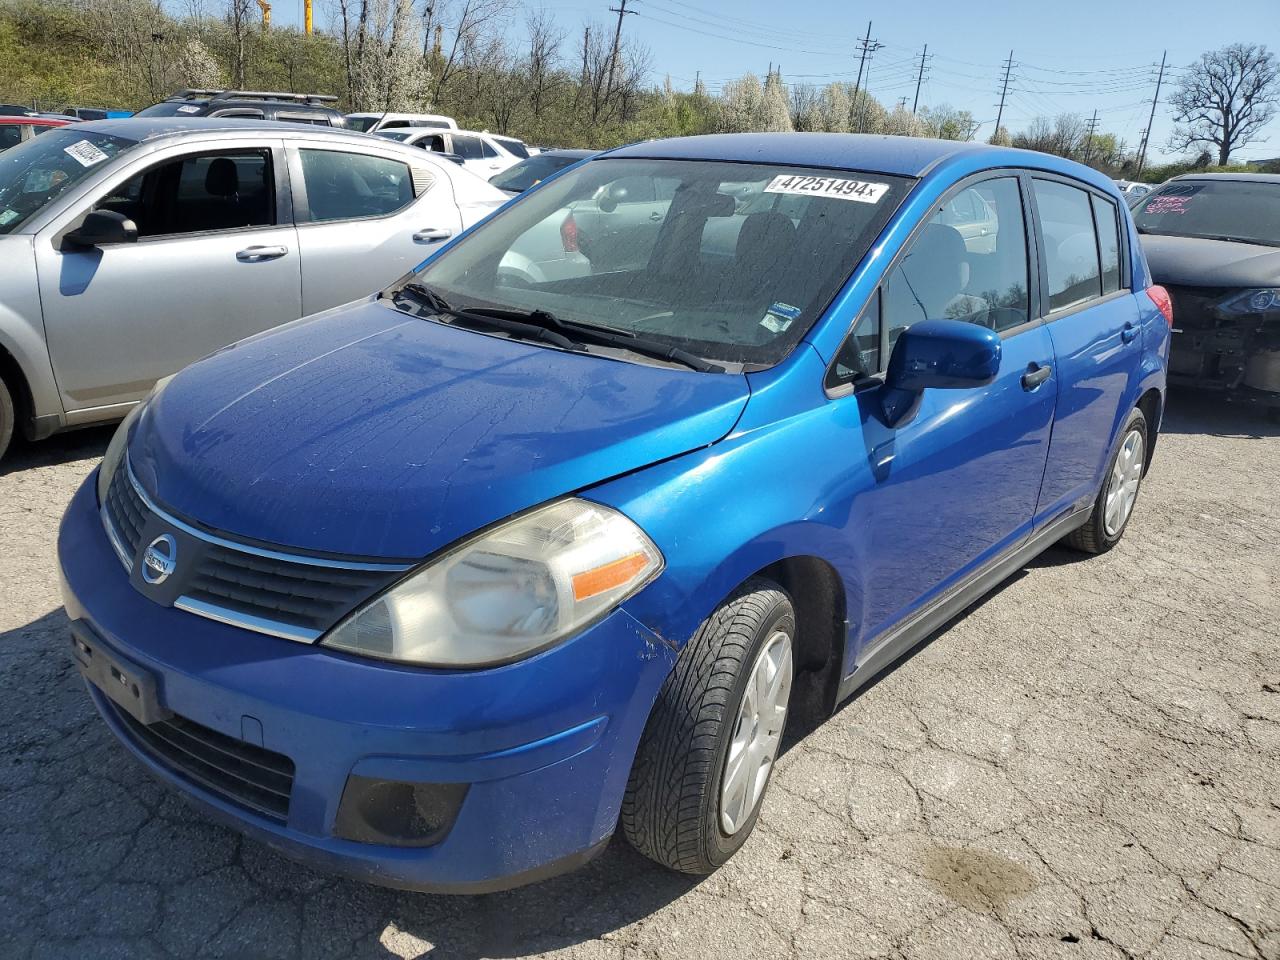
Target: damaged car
x,y
1213,241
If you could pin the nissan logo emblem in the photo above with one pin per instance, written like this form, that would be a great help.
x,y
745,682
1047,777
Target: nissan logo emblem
x,y
160,559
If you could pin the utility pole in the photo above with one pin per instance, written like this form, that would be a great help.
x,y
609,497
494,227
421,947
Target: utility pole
x,y
924,56
1142,151
902,103
1088,144
1004,91
868,47
621,10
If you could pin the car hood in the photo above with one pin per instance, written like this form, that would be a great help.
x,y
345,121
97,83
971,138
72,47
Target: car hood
x,y
368,432
1193,262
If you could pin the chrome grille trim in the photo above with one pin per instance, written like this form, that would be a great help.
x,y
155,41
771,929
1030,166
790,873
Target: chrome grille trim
x,y
255,551
115,510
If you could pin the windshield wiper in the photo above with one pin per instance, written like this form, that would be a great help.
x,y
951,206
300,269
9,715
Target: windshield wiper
x,y
605,337
532,331
1228,239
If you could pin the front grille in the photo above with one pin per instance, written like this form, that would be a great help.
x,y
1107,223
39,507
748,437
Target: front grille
x,y
309,598
282,594
248,776
126,513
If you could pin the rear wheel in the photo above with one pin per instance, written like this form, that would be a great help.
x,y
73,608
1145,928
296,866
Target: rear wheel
x,y
6,418
709,747
1114,506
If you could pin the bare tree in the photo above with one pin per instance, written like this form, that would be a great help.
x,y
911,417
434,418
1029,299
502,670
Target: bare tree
x,y
466,22
545,39
238,18
1225,99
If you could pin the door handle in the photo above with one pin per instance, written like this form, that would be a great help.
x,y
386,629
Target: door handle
x,y
1128,333
1035,375
258,254
432,234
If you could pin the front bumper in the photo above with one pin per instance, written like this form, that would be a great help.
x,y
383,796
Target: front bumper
x,y
545,744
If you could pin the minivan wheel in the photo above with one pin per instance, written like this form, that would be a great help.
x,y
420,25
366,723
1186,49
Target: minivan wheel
x,y
709,748
6,418
1114,506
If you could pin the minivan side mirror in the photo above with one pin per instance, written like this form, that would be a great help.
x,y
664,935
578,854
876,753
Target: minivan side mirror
x,y
945,354
101,228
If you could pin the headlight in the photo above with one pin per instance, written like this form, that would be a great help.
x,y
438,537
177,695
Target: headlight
x,y
120,441
507,593
1245,302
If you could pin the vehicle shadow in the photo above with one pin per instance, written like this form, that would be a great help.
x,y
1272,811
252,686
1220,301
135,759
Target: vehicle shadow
x,y
1202,412
60,448
104,832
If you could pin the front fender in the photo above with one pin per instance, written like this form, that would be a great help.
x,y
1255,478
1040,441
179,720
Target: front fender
x,y
22,331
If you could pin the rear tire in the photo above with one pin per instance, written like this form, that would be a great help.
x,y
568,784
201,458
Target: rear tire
x,y
6,418
1110,515
687,806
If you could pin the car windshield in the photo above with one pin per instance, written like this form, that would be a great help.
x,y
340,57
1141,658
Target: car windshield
x,y
395,134
528,172
1246,210
34,173
360,123
732,262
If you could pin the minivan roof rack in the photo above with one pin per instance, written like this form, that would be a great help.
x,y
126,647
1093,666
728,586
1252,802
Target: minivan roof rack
x,y
193,93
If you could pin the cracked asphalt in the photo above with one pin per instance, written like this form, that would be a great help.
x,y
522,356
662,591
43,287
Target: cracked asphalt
x,y
1083,766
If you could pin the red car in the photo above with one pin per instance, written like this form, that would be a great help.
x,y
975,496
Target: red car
x,y
16,130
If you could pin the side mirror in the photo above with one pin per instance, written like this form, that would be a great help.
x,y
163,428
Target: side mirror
x,y
945,354
101,228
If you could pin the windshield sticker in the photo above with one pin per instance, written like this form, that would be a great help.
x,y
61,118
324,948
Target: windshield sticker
x,y
7,217
779,316
189,109
1166,204
85,153
860,190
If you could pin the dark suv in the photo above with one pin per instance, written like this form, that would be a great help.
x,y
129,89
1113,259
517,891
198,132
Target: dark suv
x,y
254,104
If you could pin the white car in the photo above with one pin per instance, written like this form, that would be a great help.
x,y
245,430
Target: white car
x,y
373,122
130,248
484,154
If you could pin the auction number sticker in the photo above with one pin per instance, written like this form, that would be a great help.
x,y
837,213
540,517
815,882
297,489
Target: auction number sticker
x,y
85,153
861,190
189,108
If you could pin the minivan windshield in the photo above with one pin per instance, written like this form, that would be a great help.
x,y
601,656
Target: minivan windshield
x,y
1243,210
34,173
361,123
731,262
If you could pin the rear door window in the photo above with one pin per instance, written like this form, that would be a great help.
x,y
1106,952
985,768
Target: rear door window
x,y
1105,215
467,147
1070,242
350,186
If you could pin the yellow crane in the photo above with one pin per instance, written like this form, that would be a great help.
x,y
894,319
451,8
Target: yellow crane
x,y
266,15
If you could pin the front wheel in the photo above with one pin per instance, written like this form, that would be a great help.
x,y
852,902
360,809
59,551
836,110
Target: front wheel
x,y
709,747
6,418
1114,506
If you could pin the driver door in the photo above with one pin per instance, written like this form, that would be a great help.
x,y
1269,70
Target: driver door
x,y
216,260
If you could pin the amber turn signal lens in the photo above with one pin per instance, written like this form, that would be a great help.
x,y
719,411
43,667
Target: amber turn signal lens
x,y
615,574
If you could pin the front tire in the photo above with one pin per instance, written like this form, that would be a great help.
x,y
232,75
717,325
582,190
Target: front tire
x,y
708,750
7,418
1114,506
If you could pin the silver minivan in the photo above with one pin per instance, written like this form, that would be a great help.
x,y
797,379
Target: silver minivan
x,y
129,248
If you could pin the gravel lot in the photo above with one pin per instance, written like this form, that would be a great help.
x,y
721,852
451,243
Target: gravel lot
x,y
1085,765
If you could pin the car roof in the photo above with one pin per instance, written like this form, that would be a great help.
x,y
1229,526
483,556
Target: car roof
x,y
901,156
567,152
153,128
1246,177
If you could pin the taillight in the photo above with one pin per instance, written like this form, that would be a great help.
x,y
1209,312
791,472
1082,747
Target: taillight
x,y
1160,297
569,235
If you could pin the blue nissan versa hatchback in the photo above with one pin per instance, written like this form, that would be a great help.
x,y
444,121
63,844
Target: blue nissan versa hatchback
x,y
440,588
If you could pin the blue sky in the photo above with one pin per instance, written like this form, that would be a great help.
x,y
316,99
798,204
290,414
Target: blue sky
x,y
1075,56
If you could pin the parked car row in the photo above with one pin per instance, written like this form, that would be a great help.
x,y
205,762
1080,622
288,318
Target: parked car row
x,y
546,533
